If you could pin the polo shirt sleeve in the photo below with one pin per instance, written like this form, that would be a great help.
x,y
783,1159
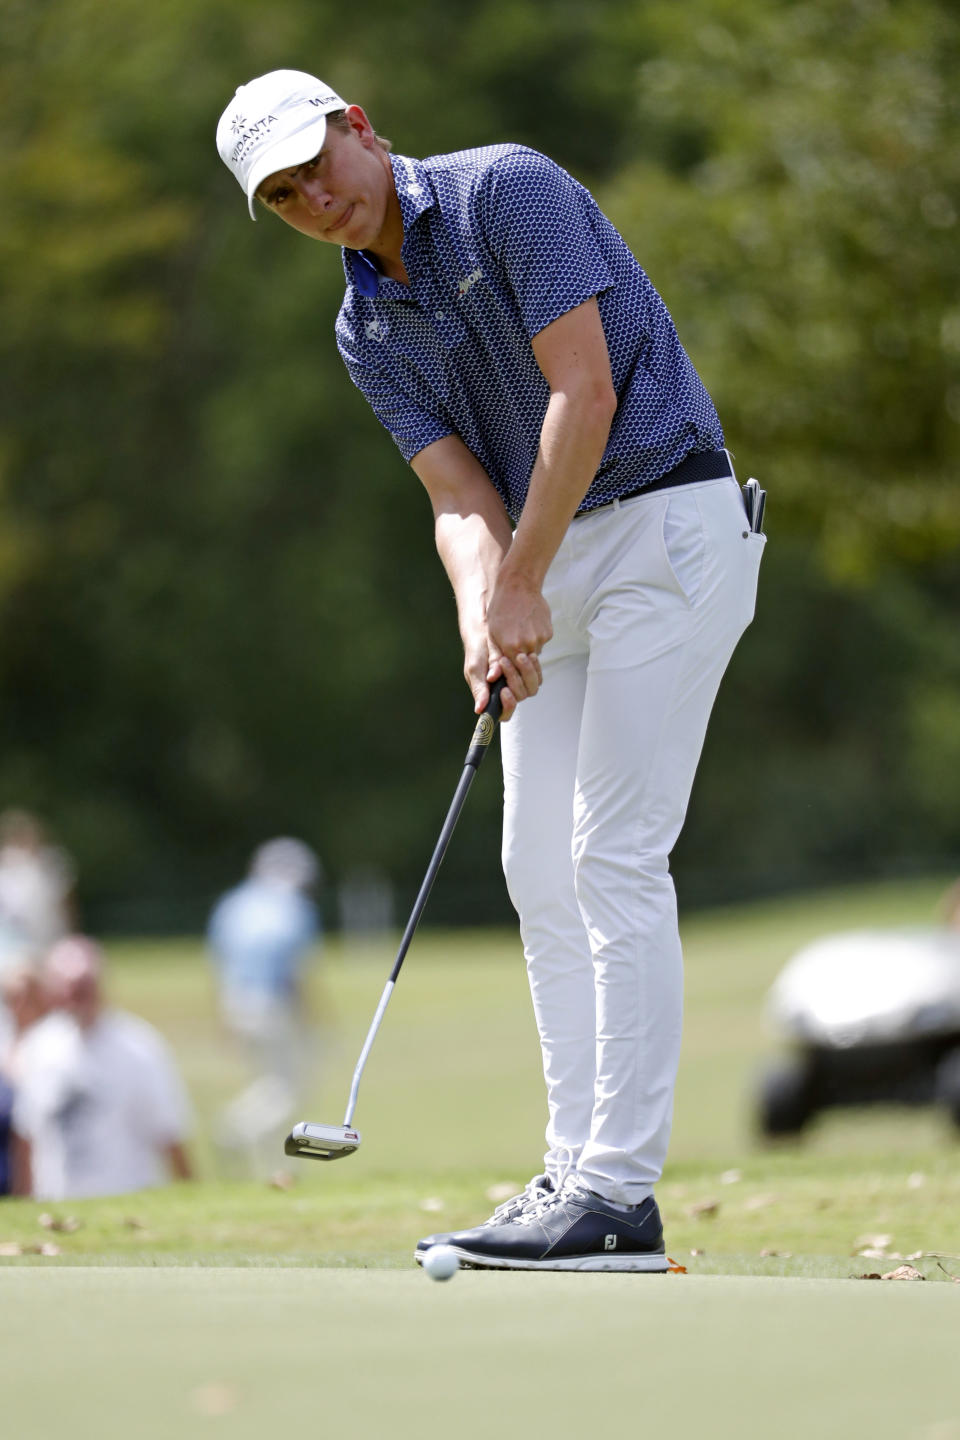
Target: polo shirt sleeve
x,y
539,224
409,411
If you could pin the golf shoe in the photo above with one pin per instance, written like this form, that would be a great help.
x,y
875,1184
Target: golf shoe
x,y
573,1229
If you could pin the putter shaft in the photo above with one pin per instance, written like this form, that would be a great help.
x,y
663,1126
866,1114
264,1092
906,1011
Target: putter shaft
x,y
479,745
367,1046
483,734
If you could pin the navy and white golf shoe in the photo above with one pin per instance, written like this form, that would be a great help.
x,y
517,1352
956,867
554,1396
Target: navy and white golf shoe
x,y
572,1229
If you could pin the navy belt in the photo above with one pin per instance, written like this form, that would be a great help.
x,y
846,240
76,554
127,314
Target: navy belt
x,y
704,465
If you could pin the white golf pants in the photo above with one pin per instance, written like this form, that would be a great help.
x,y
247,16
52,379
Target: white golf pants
x,y
648,600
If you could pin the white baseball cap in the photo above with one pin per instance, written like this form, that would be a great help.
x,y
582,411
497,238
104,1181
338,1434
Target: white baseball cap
x,y
275,121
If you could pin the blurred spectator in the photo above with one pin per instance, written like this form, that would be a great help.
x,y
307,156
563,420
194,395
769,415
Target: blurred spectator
x,y
25,1000
99,1106
36,886
950,907
260,934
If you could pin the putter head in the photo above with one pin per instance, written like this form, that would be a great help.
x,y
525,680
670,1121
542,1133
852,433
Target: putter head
x,y
321,1142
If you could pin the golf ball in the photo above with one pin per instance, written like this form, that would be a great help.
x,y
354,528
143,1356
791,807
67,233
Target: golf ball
x,y
440,1262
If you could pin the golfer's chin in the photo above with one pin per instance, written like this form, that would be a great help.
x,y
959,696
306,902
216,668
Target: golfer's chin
x,y
355,231
363,230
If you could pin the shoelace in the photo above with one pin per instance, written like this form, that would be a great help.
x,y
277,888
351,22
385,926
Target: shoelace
x,y
546,1200
571,1189
533,1193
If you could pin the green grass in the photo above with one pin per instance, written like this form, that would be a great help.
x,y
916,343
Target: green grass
x,y
189,1353
452,1105
233,1305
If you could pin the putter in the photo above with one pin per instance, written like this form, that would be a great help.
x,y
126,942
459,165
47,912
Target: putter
x,y
333,1142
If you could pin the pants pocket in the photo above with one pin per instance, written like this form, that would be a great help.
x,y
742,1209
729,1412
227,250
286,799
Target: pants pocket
x,y
684,544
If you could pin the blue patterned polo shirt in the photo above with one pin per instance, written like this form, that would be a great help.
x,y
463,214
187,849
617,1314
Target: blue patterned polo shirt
x,y
498,243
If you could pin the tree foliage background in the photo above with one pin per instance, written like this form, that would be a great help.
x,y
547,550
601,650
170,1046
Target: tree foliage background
x,y
221,614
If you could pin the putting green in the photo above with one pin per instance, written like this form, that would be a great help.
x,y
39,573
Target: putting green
x,y
172,1352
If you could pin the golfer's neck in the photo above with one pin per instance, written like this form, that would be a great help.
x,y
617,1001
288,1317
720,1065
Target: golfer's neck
x,y
388,248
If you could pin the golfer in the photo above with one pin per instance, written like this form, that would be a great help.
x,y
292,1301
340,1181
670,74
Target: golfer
x,y
597,543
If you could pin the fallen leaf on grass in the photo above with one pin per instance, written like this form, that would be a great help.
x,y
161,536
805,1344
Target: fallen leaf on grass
x,y
282,1180
132,1223
954,1278
10,1247
215,1398
776,1254
703,1209
47,1248
67,1223
871,1275
903,1272
759,1202
698,1252
674,1269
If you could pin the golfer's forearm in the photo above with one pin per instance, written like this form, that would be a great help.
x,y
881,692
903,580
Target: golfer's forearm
x,y
573,358
471,553
471,526
572,441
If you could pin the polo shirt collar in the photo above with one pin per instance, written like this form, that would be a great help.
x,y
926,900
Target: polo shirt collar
x,y
416,196
361,272
414,190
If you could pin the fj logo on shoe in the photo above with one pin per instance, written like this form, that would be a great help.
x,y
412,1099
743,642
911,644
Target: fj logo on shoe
x,y
609,1242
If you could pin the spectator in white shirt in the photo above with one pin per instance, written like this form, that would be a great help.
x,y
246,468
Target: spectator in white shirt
x,y
99,1106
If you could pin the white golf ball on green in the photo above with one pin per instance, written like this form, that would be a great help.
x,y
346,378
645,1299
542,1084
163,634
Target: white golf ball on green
x,y
441,1261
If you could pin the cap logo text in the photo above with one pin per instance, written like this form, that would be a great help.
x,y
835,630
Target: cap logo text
x,y
250,136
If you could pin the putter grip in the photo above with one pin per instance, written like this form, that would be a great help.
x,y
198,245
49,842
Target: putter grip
x,y
486,726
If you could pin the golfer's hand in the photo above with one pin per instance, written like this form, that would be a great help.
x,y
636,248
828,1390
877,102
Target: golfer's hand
x,y
518,627
476,667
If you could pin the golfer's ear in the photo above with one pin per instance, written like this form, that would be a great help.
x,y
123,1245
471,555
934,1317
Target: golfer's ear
x,y
357,119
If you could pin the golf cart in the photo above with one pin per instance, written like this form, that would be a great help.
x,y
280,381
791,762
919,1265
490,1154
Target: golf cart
x,y
874,1018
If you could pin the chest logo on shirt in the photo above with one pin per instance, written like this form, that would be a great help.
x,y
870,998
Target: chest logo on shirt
x,y
468,282
376,330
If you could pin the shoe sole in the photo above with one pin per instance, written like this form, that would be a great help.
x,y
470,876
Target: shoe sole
x,y
657,1264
